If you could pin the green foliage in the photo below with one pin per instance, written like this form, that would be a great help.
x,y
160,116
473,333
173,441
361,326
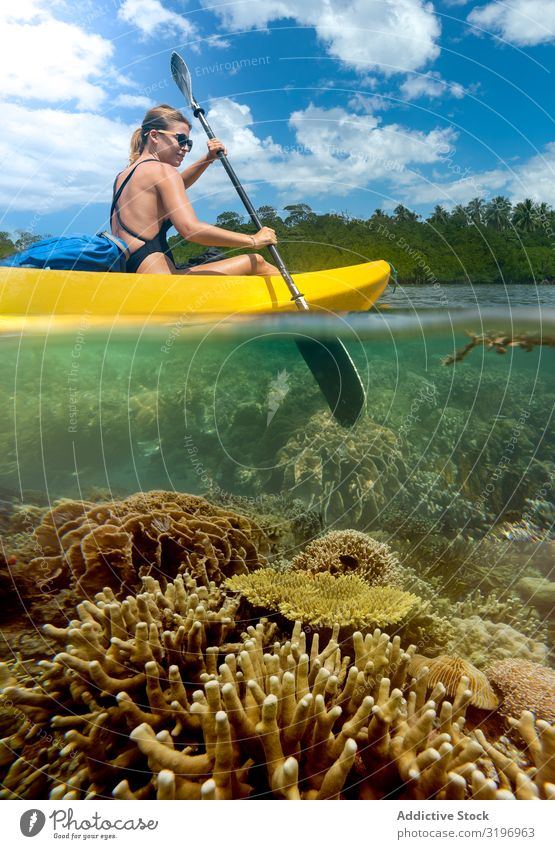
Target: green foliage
x,y
229,220
6,245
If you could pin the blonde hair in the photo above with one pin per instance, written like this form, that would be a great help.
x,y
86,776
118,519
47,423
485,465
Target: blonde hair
x,y
157,118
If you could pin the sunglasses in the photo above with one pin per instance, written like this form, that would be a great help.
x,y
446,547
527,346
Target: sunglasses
x,y
182,139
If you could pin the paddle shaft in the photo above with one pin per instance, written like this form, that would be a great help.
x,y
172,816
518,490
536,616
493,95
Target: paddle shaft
x,y
328,360
299,299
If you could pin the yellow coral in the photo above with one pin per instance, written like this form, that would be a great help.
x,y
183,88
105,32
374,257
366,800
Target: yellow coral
x,y
321,599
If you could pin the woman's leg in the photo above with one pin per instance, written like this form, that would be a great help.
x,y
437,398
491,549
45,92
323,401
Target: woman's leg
x,y
234,266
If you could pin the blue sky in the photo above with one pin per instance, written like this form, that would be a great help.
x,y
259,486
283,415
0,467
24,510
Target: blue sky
x,y
345,105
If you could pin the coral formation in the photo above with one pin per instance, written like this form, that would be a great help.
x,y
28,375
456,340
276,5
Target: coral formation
x,y
321,599
285,521
347,476
147,710
524,686
480,641
160,533
540,592
449,670
502,607
350,551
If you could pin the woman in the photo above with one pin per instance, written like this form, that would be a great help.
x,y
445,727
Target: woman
x,y
150,197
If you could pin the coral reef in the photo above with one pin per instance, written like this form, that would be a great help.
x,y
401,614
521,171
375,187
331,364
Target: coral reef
x,y
523,686
147,710
480,641
347,476
502,607
350,551
322,599
113,545
286,522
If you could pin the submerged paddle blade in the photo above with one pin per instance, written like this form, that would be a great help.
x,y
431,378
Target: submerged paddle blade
x,y
336,376
182,77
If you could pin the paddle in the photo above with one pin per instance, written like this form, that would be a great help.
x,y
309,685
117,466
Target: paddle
x,y
328,360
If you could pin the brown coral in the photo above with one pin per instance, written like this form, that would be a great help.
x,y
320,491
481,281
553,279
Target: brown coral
x,y
347,476
449,670
321,599
146,712
340,552
524,686
160,533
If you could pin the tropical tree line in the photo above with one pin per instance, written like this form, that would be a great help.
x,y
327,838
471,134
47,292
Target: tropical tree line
x,y
480,242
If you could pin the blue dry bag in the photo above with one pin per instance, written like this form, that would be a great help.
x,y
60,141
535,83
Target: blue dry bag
x,y
103,252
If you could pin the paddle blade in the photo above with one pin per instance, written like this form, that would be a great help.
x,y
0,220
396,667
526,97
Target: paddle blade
x,y
182,77
336,376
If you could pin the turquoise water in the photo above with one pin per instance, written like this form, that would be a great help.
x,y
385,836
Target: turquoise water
x,y
233,408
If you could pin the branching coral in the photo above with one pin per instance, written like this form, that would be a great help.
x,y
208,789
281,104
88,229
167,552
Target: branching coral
x,y
159,533
321,599
350,551
523,685
346,476
147,712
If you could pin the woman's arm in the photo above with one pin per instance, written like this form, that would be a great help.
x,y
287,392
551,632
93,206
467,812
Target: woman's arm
x,y
193,172
178,207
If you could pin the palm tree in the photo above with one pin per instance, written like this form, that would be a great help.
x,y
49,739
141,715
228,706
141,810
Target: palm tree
x,y
439,215
498,213
524,215
403,214
475,210
542,213
459,215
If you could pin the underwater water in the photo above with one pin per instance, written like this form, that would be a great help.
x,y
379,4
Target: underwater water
x,y
451,465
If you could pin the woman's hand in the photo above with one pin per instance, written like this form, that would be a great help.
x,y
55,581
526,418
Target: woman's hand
x,y
265,236
214,145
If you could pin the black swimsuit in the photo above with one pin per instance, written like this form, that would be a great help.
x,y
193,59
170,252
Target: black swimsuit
x,y
156,245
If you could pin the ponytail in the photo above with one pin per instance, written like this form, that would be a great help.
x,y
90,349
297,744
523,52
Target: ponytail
x,y
157,118
137,145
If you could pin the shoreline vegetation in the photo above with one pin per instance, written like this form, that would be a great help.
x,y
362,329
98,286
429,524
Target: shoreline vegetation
x,y
482,242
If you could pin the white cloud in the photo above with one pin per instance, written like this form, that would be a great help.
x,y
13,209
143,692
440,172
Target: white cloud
x,y
217,41
333,151
133,101
45,59
534,178
390,35
51,159
522,22
153,20
430,85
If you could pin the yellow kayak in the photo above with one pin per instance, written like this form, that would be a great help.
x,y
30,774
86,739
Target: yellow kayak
x,y
26,292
